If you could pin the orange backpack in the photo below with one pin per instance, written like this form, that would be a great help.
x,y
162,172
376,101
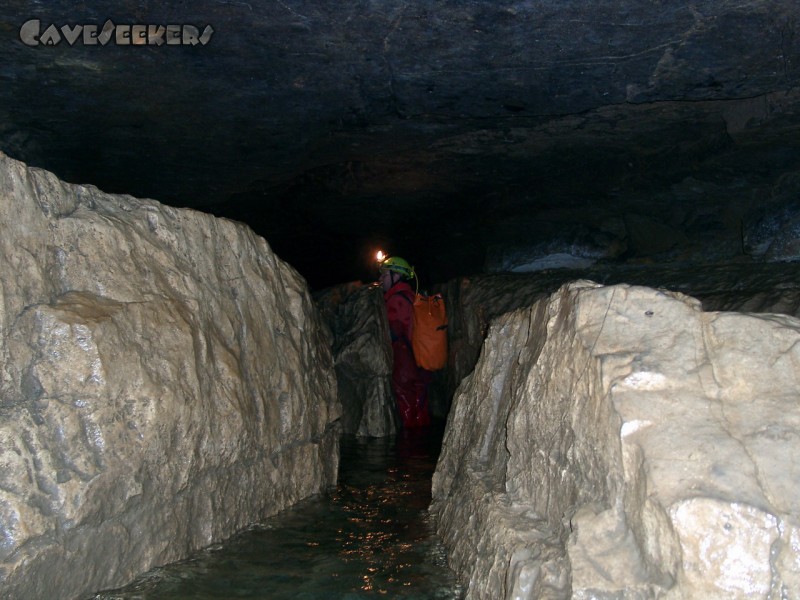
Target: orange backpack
x,y
429,333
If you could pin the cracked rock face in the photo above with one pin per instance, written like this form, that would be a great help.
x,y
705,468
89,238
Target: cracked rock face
x,y
165,382
620,441
362,353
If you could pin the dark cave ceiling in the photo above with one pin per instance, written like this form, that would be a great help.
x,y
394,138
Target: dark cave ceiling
x,y
451,132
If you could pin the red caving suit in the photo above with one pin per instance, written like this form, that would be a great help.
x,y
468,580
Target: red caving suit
x,y
409,382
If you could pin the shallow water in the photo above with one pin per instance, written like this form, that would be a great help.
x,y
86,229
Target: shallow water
x,y
370,536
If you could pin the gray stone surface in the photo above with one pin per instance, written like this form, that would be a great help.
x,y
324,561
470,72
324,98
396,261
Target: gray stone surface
x,y
165,381
362,353
619,442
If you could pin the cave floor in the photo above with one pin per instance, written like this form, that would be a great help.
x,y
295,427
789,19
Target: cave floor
x,y
370,535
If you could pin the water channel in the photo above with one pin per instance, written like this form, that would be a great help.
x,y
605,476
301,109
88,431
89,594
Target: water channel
x,y
368,537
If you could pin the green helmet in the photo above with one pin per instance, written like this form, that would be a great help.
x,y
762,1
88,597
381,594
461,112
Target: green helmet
x,y
398,265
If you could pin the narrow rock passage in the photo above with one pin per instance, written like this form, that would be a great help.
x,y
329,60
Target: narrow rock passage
x,y
370,536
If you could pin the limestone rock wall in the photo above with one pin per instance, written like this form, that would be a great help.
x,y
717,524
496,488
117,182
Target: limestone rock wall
x,y
165,381
619,442
362,353
474,302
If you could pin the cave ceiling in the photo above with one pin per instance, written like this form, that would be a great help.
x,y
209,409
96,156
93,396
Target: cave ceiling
x,y
439,130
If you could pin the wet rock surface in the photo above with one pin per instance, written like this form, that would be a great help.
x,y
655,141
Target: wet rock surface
x,y
619,441
166,381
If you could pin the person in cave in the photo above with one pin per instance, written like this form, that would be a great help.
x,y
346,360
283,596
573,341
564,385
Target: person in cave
x,y
409,382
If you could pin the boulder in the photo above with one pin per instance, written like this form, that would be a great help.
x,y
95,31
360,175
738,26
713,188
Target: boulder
x,y
362,354
165,382
474,302
620,442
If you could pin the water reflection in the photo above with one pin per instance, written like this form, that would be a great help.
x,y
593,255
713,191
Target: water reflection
x,y
370,536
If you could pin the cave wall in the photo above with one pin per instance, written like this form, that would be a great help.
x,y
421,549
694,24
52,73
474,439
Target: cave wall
x,y
618,441
165,382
